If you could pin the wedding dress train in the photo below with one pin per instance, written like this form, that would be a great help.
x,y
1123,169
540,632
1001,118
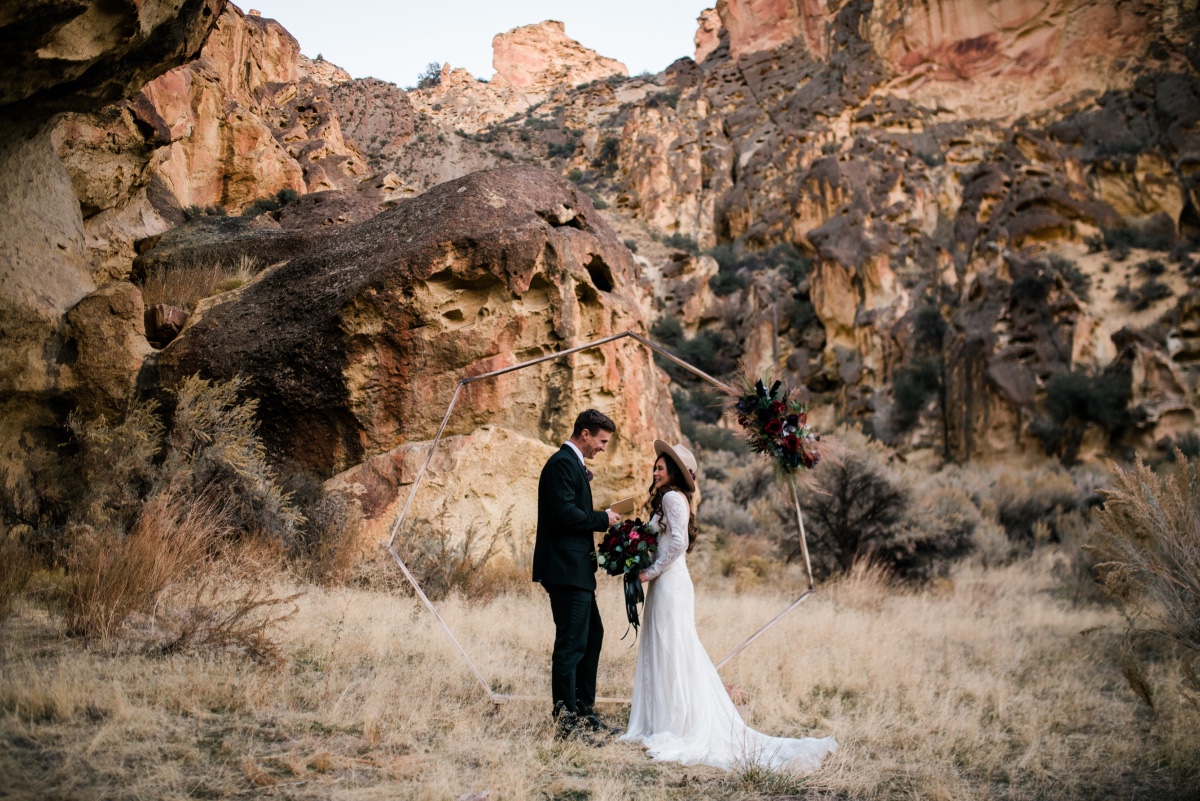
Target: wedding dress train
x,y
681,711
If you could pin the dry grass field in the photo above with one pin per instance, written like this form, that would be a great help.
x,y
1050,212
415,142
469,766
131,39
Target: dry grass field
x,y
990,685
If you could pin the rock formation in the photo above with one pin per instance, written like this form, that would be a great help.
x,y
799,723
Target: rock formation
x,y
354,346
68,57
243,121
921,159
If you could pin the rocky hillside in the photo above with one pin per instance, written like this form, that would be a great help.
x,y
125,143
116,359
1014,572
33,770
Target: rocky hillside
x,y
966,225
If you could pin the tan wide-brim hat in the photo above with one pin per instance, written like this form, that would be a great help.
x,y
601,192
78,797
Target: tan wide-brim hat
x,y
682,458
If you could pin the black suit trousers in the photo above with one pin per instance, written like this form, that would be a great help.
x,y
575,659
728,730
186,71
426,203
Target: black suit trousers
x,y
578,636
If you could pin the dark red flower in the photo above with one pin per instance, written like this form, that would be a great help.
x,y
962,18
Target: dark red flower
x,y
774,427
778,407
791,442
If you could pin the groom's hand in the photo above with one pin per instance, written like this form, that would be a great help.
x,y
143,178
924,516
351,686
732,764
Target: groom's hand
x,y
613,517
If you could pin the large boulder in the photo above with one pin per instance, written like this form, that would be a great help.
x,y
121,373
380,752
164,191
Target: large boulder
x,y
355,347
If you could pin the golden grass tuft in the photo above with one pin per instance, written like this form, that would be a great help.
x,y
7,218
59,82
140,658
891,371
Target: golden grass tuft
x,y
112,575
185,287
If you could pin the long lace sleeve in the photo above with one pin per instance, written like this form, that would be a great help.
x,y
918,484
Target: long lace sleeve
x,y
675,528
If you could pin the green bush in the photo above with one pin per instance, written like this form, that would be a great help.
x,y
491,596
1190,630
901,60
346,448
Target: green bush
x,y
726,283
1145,237
563,150
912,387
681,242
1076,399
1150,291
668,99
1079,281
431,76
196,212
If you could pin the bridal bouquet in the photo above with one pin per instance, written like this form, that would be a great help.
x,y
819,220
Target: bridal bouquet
x,y
627,549
776,424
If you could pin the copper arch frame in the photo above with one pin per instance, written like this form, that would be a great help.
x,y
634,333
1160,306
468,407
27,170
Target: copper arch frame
x,y
499,698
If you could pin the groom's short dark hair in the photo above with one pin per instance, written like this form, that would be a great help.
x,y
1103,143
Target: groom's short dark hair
x,y
593,421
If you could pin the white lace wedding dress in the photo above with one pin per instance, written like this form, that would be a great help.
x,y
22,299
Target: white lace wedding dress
x,y
681,711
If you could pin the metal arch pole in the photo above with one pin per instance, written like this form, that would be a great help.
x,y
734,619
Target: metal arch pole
x,y
803,597
424,466
671,356
429,605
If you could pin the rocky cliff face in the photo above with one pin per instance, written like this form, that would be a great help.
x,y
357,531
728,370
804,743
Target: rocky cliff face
x,y
969,165
246,119
67,57
968,225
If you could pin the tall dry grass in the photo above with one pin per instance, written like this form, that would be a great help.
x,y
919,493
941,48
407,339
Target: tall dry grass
x,y
185,287
112,575
985,686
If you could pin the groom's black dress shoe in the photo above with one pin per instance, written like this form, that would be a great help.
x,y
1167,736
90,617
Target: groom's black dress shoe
x,y
569,727
588,719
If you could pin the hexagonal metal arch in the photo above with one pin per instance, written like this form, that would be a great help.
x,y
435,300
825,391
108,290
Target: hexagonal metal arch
x,y
390,545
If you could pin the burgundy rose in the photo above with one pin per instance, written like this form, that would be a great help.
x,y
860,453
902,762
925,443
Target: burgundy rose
x,y
774,427
777,407
791,442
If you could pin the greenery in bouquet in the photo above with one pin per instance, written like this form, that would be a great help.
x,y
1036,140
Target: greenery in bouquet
x,y
627,548
776,424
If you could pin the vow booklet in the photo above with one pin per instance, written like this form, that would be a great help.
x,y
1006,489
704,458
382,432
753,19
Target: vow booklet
x,y
623,507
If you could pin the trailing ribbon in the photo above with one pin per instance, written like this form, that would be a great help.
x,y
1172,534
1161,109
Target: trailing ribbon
x,y
633,597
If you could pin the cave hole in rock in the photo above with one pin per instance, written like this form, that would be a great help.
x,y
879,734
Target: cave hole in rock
x,y
601,274
564,216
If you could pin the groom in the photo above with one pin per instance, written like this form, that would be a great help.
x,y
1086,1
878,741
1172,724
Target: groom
x,y
564,562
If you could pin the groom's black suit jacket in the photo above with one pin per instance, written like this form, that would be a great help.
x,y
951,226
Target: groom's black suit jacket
x,y
564,551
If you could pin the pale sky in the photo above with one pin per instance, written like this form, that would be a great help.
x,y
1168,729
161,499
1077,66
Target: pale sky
x,y
395,40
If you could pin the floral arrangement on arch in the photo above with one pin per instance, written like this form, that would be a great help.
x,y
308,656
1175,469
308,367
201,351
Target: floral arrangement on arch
x,y
776,424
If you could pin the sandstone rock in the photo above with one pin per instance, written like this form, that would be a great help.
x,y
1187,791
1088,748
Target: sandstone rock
x,y
323,73
708,33
110,339
370,330
539,58
63,57
242,122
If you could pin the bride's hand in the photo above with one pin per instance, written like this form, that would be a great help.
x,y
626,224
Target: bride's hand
x,y
642,577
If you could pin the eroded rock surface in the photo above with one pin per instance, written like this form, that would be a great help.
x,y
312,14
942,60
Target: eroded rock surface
x,y
355,346
67,57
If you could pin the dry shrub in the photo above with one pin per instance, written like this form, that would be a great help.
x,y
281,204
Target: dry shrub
x,y
938,529
16,567
1148,549
748,560
230,609
213,449
1027,496
111,576
185,287
991,545
114,468
327,545
445,561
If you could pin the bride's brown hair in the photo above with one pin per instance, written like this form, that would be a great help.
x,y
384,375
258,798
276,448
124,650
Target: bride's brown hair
x,y
674,482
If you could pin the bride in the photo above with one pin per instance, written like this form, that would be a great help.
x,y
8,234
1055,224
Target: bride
x,y
681,711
